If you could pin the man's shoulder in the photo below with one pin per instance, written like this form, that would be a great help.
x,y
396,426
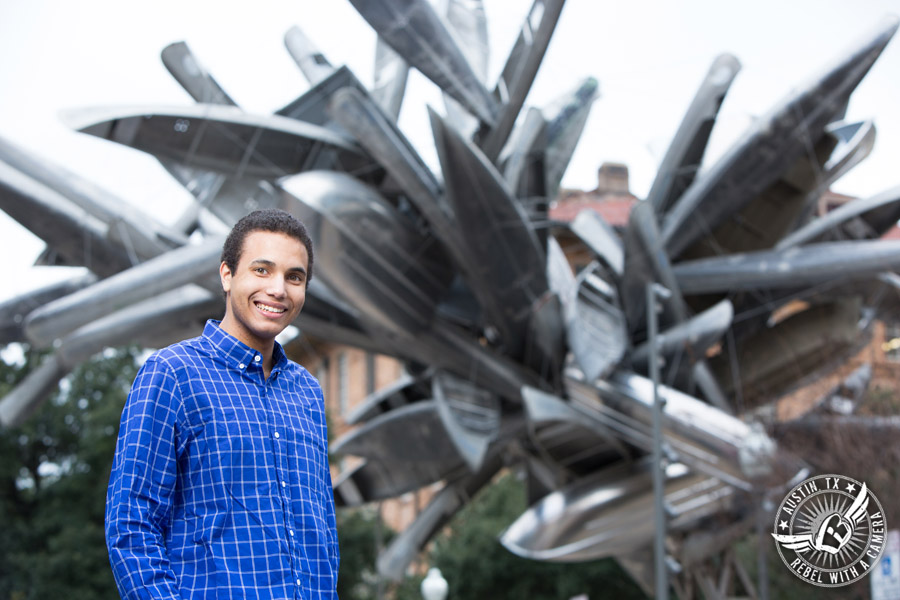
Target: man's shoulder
x,y
293,369
183,353
299,373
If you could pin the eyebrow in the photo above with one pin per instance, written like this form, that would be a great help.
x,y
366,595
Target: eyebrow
x,y
268,263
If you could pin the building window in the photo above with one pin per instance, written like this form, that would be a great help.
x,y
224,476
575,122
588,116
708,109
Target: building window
x,y
343,384
891,345
322,376
370,372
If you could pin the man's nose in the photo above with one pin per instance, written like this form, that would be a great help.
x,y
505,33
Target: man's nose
x,y
276,287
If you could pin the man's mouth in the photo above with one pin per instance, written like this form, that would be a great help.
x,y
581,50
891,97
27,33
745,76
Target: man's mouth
x,y
269,309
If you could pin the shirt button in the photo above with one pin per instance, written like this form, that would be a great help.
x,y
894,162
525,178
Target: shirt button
x,y
241,366
283,484
256,358
277,435
298,583
291,531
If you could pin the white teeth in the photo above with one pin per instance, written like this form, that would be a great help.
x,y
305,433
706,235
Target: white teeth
x,y
270,309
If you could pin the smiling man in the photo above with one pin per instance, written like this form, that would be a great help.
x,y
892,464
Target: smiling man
x,y
220,485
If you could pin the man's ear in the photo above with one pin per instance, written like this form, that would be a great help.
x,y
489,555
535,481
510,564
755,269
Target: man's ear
x,y
225,277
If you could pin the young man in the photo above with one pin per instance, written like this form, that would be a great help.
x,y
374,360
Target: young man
x,y
220,486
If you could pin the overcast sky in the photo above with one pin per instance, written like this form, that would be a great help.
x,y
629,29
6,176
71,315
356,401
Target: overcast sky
x,y
649,57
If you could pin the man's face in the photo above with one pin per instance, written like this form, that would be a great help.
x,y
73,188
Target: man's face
x,y
267,288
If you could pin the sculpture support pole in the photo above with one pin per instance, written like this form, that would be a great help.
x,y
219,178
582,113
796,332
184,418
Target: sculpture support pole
x,y
762,515
654,291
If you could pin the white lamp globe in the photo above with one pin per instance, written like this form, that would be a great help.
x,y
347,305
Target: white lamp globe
x,y
434,586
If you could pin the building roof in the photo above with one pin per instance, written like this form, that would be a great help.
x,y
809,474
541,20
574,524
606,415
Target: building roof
x,y
614,208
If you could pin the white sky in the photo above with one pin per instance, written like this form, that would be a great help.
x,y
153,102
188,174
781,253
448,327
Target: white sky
x,y
649,57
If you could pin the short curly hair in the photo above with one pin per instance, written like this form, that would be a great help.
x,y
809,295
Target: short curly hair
x,y
268,219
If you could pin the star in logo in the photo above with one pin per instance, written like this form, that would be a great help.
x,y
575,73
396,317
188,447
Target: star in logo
x,y
851,487
783,525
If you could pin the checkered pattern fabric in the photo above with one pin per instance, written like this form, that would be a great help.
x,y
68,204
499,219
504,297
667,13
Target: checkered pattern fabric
x,y
220,486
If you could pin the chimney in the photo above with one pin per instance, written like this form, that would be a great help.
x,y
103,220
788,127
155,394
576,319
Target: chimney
x,y
612,178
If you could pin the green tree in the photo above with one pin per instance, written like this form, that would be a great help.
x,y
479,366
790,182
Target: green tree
x,y
357,533
54,470
477,566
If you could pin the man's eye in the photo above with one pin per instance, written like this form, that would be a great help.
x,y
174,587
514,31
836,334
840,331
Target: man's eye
x,y
260,270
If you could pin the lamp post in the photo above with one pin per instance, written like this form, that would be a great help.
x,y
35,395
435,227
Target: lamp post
x,y
661,576
434,586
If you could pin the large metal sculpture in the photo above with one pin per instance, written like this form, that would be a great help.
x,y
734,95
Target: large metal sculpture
x,y
512,359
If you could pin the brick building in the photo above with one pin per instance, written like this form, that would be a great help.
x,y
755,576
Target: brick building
x,y
348,375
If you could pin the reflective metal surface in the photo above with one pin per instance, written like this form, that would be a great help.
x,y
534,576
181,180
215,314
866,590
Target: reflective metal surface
x,y
218,138
610,513
772,145
415,31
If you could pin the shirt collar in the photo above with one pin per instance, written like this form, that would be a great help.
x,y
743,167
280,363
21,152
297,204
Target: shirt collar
x,y
237,354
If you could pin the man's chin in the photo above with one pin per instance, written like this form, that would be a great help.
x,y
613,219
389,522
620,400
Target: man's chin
x,y
269,328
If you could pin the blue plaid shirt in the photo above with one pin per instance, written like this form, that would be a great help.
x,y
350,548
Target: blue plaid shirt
x,y
220,486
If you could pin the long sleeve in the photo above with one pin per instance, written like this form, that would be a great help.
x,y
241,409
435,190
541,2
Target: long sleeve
x,y
141,487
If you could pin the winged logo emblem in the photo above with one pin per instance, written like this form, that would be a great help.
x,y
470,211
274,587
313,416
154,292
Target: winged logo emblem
x,y
833,533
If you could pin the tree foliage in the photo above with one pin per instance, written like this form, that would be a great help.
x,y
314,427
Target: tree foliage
x,y
54,470
358,530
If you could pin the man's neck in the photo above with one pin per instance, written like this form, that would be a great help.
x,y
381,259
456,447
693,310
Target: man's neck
x,y
267,365
266,348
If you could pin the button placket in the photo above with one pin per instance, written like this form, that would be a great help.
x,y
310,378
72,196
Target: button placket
x,y
281,448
